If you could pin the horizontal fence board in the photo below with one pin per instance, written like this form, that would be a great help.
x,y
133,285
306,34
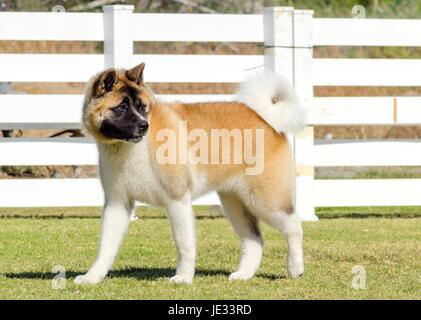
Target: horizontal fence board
x,y
47,151
159,68
58,26
33,111
366,32
365,111
367,153
367,192
82,151
195,97
49,67
367,72
62,193
198,27
328,193
199,68
50,192
64,111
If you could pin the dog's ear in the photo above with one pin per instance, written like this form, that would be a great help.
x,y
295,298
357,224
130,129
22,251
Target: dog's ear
x,y
136,74
105,82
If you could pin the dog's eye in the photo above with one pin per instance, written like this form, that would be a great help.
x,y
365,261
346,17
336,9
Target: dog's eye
x,y
140,107
122,107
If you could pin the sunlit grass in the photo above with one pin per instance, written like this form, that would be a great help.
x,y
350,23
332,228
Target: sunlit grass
x,y
389,249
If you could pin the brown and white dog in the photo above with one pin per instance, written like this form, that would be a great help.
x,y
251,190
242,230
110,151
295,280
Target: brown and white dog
x,y
167,154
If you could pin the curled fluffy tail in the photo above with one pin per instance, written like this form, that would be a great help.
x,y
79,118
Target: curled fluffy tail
x,y
273,98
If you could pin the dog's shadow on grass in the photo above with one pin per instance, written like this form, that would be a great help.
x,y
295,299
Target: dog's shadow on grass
x,y
136,273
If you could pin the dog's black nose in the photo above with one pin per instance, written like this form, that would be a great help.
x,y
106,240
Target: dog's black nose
x,y
144,126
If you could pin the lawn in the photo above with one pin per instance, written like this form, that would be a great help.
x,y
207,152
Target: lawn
x,y
32,241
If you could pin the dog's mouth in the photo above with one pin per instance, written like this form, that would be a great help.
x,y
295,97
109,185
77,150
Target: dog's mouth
x,y
114,131
134,139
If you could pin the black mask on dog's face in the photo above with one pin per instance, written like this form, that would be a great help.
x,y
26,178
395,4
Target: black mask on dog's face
x,y
117,106
128,120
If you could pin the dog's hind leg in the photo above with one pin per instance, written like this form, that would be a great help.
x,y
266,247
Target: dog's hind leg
x,y
290,226
246,226
133,215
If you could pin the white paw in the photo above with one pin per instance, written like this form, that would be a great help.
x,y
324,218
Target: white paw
x,y
295,270
239,275
179,279
88,279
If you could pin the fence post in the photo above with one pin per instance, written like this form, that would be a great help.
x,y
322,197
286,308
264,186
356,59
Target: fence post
x,y
118,42
118,36
279,41
304,141
290,53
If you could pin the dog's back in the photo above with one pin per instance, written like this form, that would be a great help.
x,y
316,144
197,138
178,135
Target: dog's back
x,y
227,168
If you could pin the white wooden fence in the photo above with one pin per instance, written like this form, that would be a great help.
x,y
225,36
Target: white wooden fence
x,y
288,36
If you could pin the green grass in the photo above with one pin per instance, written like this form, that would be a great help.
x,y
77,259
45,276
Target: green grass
x,y
389,249
368,173
369,212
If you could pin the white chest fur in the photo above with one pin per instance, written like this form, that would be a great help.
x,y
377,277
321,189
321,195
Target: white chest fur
x,y
126,172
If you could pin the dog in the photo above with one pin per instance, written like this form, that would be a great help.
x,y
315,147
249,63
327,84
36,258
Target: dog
x,y
139,162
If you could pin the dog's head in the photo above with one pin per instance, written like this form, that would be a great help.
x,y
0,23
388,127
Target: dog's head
x,y
117,104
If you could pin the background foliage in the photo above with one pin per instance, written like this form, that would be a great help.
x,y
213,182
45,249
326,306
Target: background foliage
x,y
323,8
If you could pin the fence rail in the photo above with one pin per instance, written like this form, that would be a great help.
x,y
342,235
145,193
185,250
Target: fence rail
x,y
51,26
367,72
288,37
365,111
325,153
367,32
327,193
17,111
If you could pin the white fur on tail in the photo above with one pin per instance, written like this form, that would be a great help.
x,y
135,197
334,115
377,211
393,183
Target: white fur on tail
x,y
273,98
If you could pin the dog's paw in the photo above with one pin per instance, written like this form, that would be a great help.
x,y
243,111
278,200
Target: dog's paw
x,y
295,270
239,275
181,279
88,279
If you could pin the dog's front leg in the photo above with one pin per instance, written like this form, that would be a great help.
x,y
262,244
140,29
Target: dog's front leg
x,y
182,224
115,220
